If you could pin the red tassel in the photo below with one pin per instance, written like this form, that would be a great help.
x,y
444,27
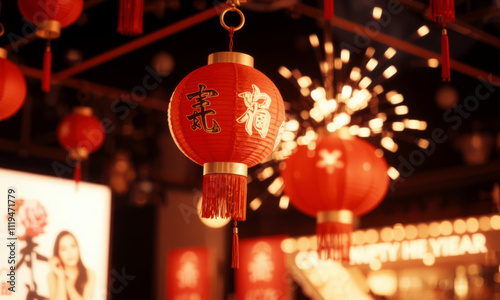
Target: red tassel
x,y
328,9
334,240
445,57
442,11
47,68
77,174
235,261
224,196
130,17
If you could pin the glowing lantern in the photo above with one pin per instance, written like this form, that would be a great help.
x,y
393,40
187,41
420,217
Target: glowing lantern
x,y
342,178
227,117
12,87
50,17
81,134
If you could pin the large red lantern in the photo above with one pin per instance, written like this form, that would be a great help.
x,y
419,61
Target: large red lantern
x,y
342,178
49,17
81,133
12,87
227,117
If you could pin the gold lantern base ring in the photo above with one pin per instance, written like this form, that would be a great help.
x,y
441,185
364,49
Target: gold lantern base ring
x,y
3,53
341,216
49,30
225,168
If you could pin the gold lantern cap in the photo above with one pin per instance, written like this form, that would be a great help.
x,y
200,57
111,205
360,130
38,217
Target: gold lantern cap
x,y
3,53
231,57
83,110
49,29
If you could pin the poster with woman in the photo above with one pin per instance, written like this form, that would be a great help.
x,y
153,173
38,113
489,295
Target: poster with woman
x,y
54,237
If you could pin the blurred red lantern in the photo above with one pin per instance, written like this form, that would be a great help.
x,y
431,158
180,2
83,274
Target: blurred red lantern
x,y
12,87
130,17
81,134
49,17
341,178
226,116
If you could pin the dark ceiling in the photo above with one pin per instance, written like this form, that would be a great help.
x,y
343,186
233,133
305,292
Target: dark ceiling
x,y
275,34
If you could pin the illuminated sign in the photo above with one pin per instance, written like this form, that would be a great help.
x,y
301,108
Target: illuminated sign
x,y
262,273
52,227
416,249
188,274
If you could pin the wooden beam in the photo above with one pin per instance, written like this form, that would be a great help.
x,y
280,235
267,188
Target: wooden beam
x,y
139,42
102,90
460,25
399,44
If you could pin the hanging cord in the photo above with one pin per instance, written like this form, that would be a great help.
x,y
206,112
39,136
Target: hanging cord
x,y
231,33
232,29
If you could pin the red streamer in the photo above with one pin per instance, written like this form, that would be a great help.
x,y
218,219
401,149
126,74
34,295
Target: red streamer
x,y
77,174
445,57
235,261
130,18
334,240
47,68
328,9
224,196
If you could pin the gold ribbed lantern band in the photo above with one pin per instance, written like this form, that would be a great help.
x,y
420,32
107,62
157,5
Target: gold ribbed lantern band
x,y
342,216
49,30
230,57
3,53
225,168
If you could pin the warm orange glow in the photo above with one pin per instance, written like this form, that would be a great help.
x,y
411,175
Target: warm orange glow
x,y
313,39
423,31
433,62
255,204
377,13
289,245
446,228
389,53
284,202
345,55
459,226
285,72
371,64
389,72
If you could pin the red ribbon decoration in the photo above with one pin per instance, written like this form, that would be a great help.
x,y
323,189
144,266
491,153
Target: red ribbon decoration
x,y
328,9
443,12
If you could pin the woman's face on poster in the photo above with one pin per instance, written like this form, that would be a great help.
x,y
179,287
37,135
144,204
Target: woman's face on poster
x,y
68,251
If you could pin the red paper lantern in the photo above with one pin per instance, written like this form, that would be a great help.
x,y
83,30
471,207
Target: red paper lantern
x,y
81,134
227,117
341,178
12,87
49,17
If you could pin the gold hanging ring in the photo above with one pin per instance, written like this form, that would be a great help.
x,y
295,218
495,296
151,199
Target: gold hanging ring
x,y
236,10
2,29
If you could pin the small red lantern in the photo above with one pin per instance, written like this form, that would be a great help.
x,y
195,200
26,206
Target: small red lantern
x,y
341,178
50,17
81,133
12,87
227,117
